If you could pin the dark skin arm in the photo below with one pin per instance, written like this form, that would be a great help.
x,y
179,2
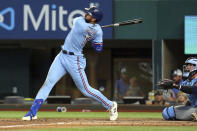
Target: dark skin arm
x,y
188,89
169,84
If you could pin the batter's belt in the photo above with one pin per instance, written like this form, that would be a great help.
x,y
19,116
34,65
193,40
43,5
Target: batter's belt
x,y
67,52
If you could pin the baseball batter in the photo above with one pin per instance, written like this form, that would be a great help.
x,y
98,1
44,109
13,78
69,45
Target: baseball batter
x,y
189,86
70,60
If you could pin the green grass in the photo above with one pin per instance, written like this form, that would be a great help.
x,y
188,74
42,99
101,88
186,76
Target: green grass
x,y
116,128
19,114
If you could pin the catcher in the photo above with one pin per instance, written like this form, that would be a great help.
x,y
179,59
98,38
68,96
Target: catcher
x,y
188,111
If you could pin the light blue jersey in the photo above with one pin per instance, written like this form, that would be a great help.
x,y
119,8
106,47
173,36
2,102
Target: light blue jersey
x,y
74,64
81,33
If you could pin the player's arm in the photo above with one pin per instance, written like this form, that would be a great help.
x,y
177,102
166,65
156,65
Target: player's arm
x,y
169,84
186,89
189,89
78,20
97,42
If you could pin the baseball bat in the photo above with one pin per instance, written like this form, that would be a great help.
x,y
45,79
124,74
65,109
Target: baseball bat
x,y
122,23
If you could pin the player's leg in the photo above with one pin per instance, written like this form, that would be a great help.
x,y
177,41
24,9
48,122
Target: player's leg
x,y
184,112
56,71
87,90
83,85
79,76
179,113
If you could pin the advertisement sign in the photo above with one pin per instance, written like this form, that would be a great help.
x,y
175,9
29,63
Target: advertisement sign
x,y
46,19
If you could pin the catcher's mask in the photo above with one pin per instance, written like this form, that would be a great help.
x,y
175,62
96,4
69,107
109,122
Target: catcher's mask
x,y
190,67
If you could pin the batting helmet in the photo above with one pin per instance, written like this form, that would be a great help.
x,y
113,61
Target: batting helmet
x,y
95,12
190,73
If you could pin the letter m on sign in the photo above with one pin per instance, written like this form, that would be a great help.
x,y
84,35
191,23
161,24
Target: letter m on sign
x,y
28,15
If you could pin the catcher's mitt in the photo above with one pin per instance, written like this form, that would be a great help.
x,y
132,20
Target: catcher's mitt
x,y
167,84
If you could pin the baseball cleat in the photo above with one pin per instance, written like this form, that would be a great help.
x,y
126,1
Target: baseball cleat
x,y
113,112
194,117
29,117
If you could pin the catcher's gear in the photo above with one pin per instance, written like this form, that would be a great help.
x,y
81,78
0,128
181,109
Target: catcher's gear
x,y
168,113
167,84
189,73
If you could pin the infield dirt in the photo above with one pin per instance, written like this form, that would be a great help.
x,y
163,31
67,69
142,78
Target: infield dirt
x,y
73,122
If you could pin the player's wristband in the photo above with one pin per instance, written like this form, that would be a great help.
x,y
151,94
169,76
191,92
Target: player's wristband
x,y
98,47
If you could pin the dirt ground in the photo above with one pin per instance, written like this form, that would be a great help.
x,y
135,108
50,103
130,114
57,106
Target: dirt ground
x,y
60,122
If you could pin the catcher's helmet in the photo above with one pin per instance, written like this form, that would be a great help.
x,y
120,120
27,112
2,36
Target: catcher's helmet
x,y
190,73
95,12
